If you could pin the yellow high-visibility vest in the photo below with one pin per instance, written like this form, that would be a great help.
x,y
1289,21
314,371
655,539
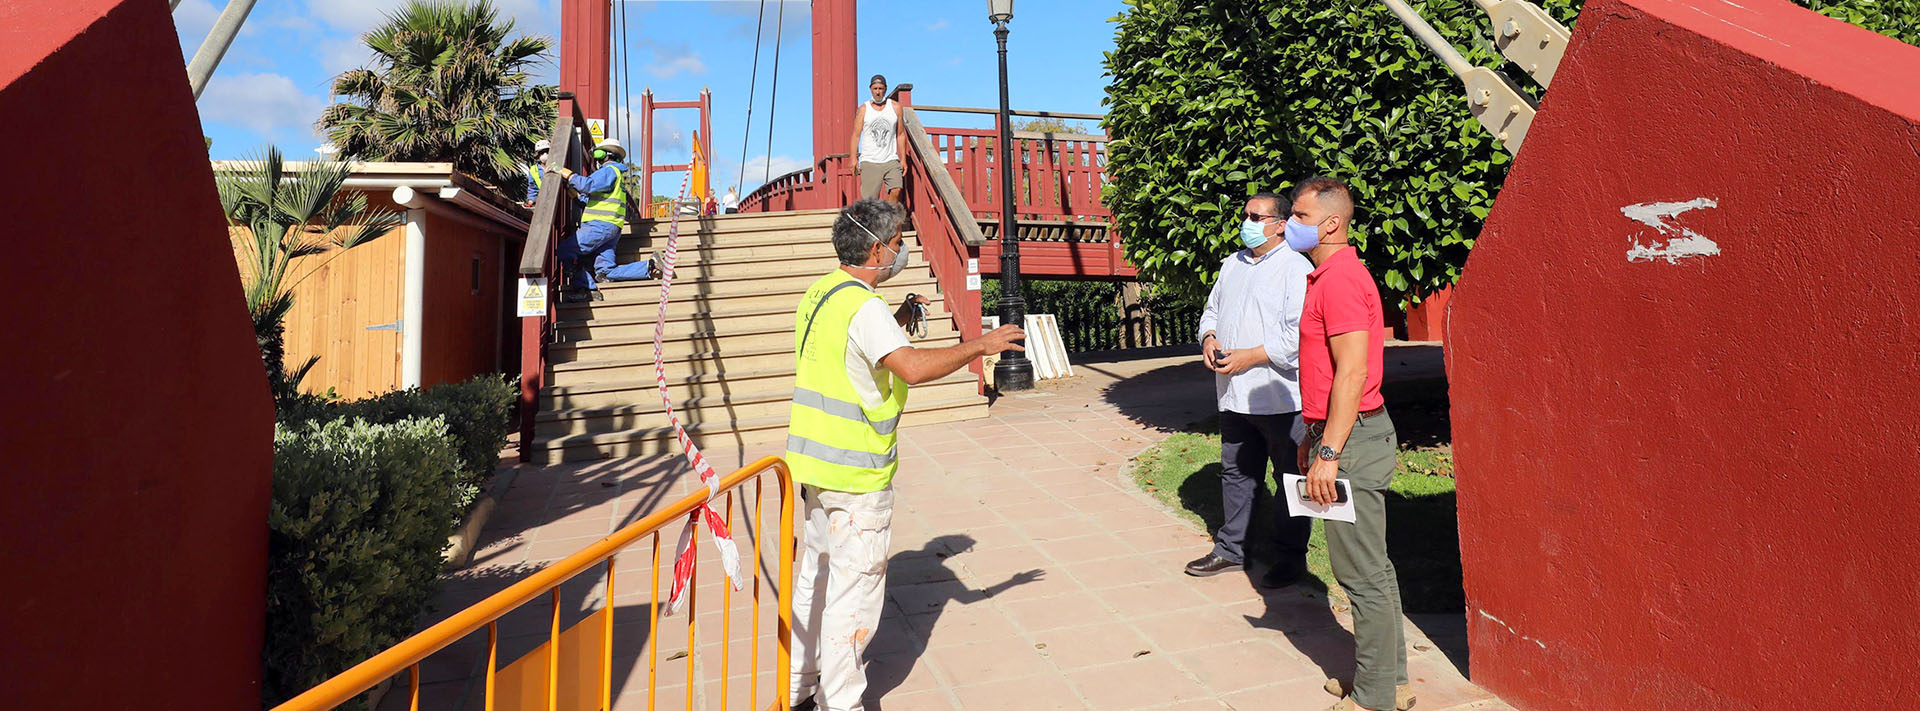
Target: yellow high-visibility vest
x,y
610,206
834,441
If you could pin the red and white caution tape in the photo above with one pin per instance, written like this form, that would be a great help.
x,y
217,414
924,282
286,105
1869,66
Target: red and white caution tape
x,y
688,553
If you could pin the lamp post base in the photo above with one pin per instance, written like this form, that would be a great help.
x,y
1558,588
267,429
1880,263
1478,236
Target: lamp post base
x,y
1010,375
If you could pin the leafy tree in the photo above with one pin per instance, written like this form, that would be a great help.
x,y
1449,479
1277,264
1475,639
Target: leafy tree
x,y
290,215
1214,100
448,83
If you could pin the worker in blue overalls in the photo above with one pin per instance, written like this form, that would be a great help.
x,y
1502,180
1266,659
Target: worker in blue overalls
x,y
535,171
589,253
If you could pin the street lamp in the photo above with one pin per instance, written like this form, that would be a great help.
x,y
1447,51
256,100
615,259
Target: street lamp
x,y
1013,371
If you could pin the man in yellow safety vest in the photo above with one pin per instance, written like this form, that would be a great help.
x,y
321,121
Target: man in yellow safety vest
x,y
589,253
854,367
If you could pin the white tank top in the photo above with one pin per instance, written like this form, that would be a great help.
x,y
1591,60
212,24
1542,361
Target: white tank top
x,y
877,143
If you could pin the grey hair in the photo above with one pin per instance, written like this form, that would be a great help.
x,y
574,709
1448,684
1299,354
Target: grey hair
x,y
863,224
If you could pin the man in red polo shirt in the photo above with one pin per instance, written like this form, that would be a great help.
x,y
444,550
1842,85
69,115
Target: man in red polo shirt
x,y
1349,436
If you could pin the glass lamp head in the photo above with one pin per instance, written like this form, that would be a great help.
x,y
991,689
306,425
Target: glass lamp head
x,y
999,10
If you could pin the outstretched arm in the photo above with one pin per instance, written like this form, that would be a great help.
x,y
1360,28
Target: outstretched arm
x,y
920,365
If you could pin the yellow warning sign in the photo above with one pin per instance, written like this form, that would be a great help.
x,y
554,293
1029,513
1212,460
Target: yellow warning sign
x,y
533,296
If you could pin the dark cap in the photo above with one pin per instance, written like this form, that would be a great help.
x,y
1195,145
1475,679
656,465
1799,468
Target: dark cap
x,y
882,78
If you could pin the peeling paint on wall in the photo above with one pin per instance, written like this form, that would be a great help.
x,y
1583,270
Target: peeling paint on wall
x,y
1655,214
1498,621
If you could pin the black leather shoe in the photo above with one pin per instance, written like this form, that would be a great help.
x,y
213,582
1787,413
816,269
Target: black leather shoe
x,y
1282,575
1211,564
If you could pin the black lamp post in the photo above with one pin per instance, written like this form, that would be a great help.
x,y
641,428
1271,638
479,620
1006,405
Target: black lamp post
x,y
1013,371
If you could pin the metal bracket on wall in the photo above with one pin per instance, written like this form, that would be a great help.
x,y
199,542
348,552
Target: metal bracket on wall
x,y
1529,37
395,326
1500,106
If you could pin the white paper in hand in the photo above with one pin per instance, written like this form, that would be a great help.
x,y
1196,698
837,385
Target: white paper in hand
x,y
1290,490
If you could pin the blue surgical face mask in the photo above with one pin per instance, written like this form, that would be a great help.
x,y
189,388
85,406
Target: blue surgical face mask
x,y
1302,237
1251,234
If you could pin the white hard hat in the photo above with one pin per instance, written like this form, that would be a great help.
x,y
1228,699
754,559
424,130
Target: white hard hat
x,y
542,146
612,145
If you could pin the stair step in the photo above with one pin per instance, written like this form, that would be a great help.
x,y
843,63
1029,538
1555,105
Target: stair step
x,y
642,327
624,303
646,410
739,222
766,435
706,319
677,345
627,367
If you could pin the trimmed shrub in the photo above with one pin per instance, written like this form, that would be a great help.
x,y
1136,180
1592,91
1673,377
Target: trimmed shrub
x,y
478,413
356,535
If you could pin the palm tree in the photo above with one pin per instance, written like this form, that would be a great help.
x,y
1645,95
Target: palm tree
x,y
288,217
447,84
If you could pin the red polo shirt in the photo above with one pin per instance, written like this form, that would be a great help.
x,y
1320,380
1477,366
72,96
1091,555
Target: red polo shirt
x,y
1341,298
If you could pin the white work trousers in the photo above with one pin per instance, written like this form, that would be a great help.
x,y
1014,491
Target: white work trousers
x,y
838,592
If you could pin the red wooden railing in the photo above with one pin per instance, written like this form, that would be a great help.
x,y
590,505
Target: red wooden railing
x,y
949,234
827,184
552,217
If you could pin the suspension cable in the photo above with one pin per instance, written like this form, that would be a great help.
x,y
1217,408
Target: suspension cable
x,y
626,88
773,95
613,81
746,134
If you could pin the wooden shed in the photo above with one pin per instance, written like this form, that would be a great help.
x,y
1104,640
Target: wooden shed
x,y
425,304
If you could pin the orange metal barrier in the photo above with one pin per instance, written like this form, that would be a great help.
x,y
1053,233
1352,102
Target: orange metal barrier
x,y
551,677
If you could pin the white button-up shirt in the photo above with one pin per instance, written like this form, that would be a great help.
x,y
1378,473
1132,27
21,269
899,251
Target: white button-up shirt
x,y
1257,302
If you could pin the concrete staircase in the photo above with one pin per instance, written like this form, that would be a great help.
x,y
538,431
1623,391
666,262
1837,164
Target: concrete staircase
x,y
728,345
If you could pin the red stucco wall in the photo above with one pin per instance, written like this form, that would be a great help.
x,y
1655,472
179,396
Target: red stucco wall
x,y
1691,484
137,436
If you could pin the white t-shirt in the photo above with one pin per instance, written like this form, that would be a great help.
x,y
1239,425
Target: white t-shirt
x,y
872,335
877,142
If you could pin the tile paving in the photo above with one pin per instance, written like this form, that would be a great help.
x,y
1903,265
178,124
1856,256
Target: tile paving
x,y
1026,574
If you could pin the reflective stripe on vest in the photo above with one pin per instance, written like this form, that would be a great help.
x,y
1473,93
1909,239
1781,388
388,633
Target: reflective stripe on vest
x,y
533,174
845,457
841,408
834,441
610,206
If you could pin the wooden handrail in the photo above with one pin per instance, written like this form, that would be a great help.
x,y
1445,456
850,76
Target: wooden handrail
x,y
368,674
547,210
951,198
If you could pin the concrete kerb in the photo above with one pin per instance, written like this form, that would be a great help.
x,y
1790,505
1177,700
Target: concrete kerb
x,y
461,545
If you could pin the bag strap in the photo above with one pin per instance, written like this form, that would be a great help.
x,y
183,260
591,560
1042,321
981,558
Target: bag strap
x,y
816,312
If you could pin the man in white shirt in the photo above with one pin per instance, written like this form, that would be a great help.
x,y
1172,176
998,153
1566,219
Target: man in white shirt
x,y
1250,338
854,366
878,143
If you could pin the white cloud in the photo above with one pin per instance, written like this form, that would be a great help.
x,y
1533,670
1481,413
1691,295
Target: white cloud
x,y
192,20
263,103
758,169
353,15
338,54
357,16
937,25
669,62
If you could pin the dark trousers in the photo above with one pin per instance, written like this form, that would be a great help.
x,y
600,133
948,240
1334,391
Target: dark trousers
x,y
1247,444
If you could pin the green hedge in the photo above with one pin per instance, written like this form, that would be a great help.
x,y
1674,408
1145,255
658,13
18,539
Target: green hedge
x,y
477,412
357,532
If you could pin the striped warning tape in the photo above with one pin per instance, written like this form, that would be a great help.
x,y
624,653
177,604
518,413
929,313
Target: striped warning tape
x,y
688,553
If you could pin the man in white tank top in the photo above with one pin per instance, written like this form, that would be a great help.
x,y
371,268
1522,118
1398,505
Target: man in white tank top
x,y
878,143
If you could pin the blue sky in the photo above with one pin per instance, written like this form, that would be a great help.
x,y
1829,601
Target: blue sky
x,y
274,81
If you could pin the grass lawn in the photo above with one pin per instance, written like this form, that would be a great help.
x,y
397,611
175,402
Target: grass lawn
x,y
1422,534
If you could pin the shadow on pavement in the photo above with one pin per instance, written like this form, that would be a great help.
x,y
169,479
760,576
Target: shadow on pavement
x,y
899,643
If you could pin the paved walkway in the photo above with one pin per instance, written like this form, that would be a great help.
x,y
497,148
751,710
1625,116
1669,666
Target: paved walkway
x,y
1026,574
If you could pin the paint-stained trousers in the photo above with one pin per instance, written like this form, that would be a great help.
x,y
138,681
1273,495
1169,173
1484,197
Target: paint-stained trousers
x,y
839,590
1358,552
